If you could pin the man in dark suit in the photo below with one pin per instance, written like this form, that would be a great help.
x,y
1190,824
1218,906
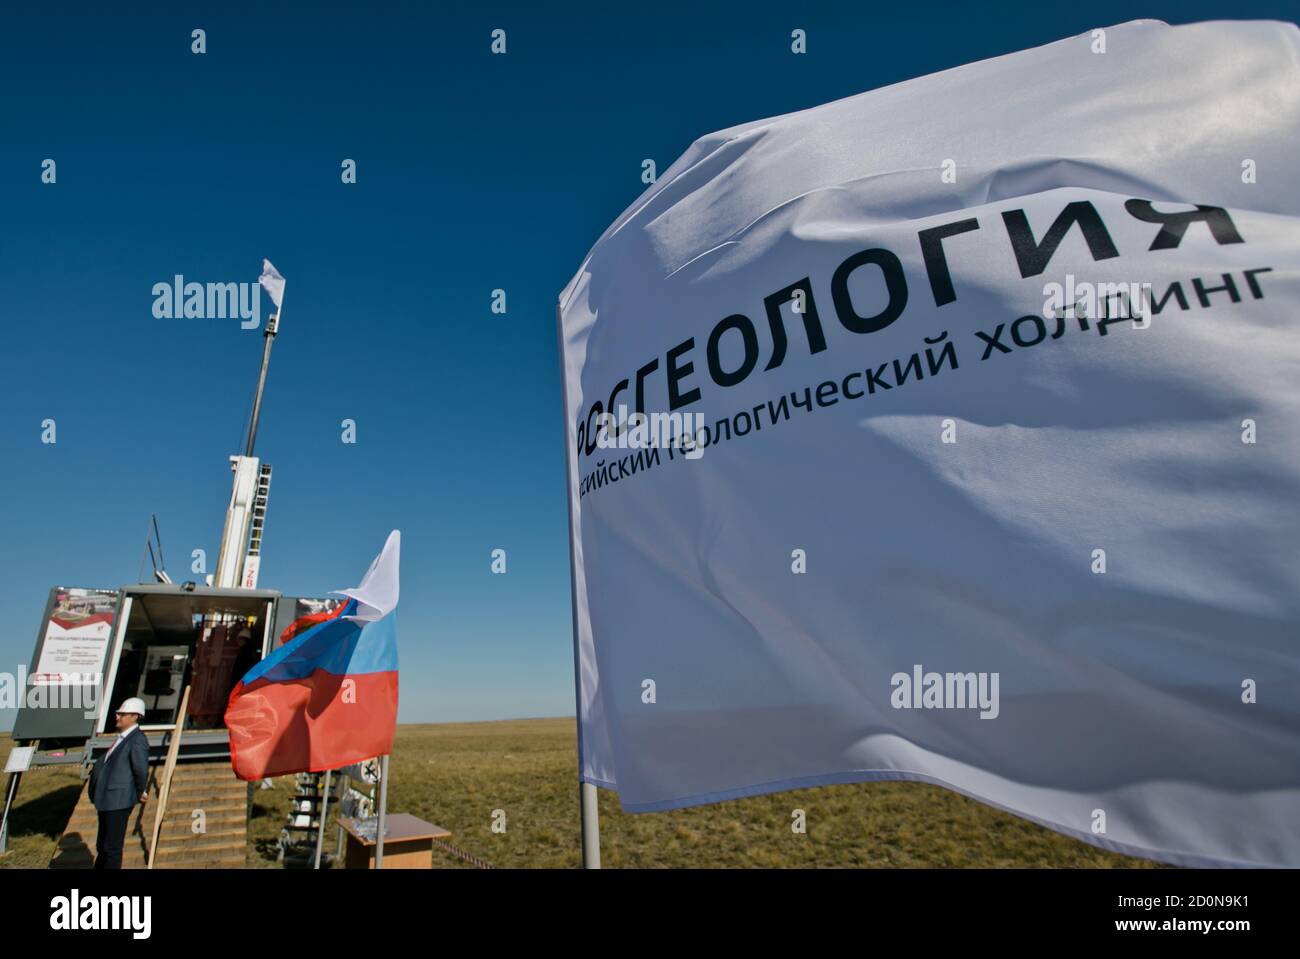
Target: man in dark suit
x,y
118,781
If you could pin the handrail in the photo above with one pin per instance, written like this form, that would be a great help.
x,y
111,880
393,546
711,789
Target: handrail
x,y
173,748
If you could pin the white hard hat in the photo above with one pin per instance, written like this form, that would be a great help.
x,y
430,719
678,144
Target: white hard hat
x,y
133,705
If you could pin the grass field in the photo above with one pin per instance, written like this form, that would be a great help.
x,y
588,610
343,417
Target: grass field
x,y
457,775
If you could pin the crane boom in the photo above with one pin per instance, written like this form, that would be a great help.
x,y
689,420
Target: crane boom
x,y
240,556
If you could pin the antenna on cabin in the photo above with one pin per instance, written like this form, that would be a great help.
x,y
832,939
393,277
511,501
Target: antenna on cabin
x,y
156,561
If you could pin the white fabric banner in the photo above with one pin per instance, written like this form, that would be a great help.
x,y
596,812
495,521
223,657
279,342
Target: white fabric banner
x,y
990,389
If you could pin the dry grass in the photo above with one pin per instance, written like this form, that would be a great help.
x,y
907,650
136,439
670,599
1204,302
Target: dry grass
x,y
456,775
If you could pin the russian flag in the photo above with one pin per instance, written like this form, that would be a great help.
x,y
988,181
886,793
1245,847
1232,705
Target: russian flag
x,y
328,697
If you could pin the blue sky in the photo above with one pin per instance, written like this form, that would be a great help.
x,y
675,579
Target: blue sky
x,y
474,172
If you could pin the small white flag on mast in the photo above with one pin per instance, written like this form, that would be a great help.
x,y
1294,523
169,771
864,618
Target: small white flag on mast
x,y
273,283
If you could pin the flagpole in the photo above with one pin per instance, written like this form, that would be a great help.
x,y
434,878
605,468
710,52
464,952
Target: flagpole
x,y
590,825
588,811
383,808
324,815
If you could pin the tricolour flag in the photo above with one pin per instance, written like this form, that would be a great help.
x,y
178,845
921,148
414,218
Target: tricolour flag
x,y
327,697
304,623
971,452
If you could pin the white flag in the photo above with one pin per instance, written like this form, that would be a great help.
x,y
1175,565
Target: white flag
x,y
272,282
990,389
379,590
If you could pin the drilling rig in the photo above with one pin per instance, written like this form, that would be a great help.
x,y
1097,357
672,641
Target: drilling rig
x,y
226,639
96,647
